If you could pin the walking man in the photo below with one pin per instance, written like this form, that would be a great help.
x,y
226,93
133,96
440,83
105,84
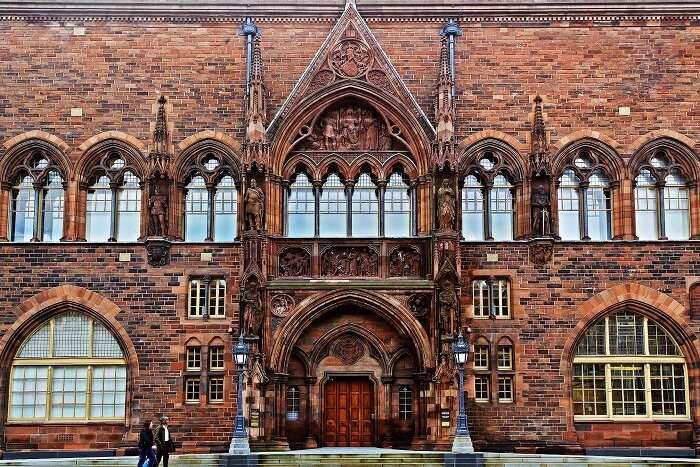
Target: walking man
x,y
164,442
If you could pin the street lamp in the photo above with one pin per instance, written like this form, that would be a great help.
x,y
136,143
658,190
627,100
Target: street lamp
x,y
463,441
239,441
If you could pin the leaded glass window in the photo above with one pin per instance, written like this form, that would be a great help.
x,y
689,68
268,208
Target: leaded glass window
x,y
293,404
599,207
98,220
405,402
70,368
568,199
22,210
129,209
502,208
52,208
676,207
628,366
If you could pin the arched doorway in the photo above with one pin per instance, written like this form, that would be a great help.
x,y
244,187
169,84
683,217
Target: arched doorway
x,y
353,363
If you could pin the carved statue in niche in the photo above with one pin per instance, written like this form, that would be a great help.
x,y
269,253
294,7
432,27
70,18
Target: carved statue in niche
x,y
294,262
541,205
404,262
349,126
446,206
251,302
157,211
419,304
447,302
350,262
254,206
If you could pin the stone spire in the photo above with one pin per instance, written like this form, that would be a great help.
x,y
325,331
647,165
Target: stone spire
x,y
443,151
256,138
539,150
159,156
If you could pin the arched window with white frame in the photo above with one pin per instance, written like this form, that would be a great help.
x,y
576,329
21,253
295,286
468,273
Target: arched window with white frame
x,y
301,206
333,208
397,207
676,206
365,207
472,208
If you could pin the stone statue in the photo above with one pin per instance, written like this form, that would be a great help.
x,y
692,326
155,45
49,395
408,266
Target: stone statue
x,y
447,301
446,206
254,206
252,308
157,207
541,225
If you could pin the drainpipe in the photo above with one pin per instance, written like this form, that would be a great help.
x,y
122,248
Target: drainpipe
x,y
249,30
451,30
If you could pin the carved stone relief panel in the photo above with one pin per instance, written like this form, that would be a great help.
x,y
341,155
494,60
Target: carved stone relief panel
x,y
348,349
281,305
350,58
294,262
349,126
350,262
419,304
405,262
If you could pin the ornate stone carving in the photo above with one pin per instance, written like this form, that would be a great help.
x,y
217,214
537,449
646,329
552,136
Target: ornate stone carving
x,y
379,79
320,80
404,262
541,251
350,58
256,146
419,304
446,206
251,304
159,156
350,262
349,126
541,207
281,305
157,212
539,149
447,303
254,202
157,252
443,148
348,349
294,262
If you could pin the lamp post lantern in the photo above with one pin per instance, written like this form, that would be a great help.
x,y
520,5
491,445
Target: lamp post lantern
x,y
239,440
463,441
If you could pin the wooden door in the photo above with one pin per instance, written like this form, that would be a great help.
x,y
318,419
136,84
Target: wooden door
x,y
348,412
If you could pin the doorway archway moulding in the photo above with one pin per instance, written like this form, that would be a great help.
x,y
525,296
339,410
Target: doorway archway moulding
x,y
315,307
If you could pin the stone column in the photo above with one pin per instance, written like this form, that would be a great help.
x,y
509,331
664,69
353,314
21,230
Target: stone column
x,y
386,420
310,442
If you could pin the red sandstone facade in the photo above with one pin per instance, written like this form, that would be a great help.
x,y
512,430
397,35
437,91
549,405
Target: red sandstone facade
x,y
353,317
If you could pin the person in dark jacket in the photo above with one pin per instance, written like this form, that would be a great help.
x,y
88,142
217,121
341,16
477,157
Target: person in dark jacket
x,y
164,441
146,445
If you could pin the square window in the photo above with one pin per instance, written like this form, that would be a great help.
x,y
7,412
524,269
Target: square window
x,y
505,357
216,358
505,389
481,388
194,358
192,389
216,389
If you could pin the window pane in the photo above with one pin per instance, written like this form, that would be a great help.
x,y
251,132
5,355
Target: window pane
x,y
71,336
472,209
668,389
628,389
37,346
104,343
645,206
292,403
593,342
300,207
626,332
599,210
397,208
225,211
365,208
28,392
197,298
505,357
52,229
568,199
481,298
217,298
501,209
481,357
129,218
216,389
481,388
108,392
405,403
660,343
589,389
192,389
194,358
69,392
500,298
333,206
22,211
505,389
98,220
196,210
676,207
216,358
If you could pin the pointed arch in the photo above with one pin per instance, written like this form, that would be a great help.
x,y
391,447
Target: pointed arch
x,y
317,354
558,145
97,147
21,146
417,139
513,163
609,160
681,153
198,145
315,307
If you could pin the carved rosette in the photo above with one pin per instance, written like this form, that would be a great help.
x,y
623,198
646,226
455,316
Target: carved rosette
x,y
419,304
321,79
348,349
350,58
294,262
350,262
281,305
157,252
541,251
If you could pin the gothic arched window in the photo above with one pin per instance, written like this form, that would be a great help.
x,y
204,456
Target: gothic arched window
x,y
628,366
70,369
36,208
397,207
226,210
569,206
301,206
502,208
196,210
113,202
599,207
472,209
333,208
365,207
662,206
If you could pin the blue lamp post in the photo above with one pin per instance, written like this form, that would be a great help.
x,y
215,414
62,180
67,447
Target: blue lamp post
x,y
463,441
239,441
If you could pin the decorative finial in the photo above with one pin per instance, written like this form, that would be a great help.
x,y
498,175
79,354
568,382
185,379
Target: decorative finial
x,y
539,157
160,134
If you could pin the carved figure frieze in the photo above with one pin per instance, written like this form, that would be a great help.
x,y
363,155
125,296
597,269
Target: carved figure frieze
x,y
419,304
281,305
405,262
350,262
254,206
349,126
350,58
294,262
348,349
251,303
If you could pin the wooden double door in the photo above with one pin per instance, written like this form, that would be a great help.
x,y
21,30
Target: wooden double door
x,y
348,412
